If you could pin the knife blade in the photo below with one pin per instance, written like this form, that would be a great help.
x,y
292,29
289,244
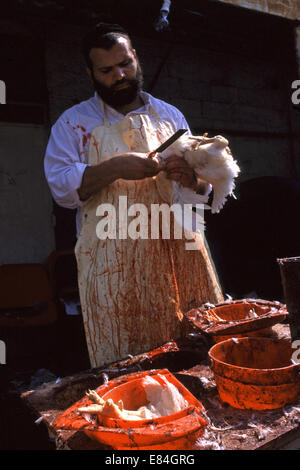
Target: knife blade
x,y
167,143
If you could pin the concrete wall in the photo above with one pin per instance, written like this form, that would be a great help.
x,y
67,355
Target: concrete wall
x,y
26,234
26,211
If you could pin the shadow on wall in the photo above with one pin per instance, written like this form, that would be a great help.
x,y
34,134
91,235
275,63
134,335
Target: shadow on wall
x,y
251,232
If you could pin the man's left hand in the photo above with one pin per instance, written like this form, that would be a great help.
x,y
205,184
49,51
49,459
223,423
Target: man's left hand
x,y
177,169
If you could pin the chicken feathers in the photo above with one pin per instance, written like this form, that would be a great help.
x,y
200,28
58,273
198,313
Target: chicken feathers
x,y
212,162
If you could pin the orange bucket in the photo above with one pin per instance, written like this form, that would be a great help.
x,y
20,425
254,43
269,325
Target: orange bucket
x,y
178,430
255,373
238,318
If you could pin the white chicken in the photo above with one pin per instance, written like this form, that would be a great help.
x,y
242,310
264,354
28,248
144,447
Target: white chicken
x,y
212,162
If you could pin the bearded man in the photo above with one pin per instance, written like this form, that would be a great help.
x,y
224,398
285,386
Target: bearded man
x,y
133,290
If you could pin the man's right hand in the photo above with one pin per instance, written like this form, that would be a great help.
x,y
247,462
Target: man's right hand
x,y
136,166
128,166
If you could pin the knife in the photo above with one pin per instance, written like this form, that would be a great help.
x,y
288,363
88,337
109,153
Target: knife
x,y
167,143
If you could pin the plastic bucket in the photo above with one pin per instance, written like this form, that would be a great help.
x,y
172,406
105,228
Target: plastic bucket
x,y
178,430
237,318
255,373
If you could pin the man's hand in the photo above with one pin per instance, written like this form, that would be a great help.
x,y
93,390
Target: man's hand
x,y
136,166
128,166
177,169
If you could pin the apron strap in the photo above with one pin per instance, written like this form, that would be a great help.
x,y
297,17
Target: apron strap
x,y
102,105
152,111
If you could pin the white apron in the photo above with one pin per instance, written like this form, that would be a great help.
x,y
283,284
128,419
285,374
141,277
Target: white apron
x,y
133,291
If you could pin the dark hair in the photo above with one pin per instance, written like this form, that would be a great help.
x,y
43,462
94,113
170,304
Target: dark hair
x,y
103,35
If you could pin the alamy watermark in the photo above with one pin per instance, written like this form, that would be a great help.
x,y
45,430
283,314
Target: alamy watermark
x,y
2,352
144,225
2,92
296,355
296,93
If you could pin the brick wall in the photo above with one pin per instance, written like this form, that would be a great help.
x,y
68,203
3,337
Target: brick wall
x,y
246,97
240,89
67,81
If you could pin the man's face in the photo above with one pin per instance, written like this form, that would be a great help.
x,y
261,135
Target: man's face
x,y
116,73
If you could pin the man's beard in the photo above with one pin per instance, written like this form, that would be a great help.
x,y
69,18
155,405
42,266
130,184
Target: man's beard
x,y
117,98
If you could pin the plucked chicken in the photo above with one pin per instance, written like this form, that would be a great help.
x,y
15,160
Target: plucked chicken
x,y
162,400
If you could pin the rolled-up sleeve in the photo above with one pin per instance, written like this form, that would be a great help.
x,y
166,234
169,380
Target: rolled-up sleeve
x,y
62,164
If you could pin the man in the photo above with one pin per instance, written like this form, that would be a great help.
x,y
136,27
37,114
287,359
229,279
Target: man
x,y
133,290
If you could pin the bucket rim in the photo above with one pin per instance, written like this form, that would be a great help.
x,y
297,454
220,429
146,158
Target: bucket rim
x,y
246,339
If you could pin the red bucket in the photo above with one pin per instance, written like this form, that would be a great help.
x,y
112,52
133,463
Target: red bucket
x,y
255,373
178,430
238,318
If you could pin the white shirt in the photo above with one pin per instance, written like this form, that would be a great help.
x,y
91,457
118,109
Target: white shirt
x,y
67,151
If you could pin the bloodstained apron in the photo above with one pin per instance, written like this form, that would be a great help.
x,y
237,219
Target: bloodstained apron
x,y
133,291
